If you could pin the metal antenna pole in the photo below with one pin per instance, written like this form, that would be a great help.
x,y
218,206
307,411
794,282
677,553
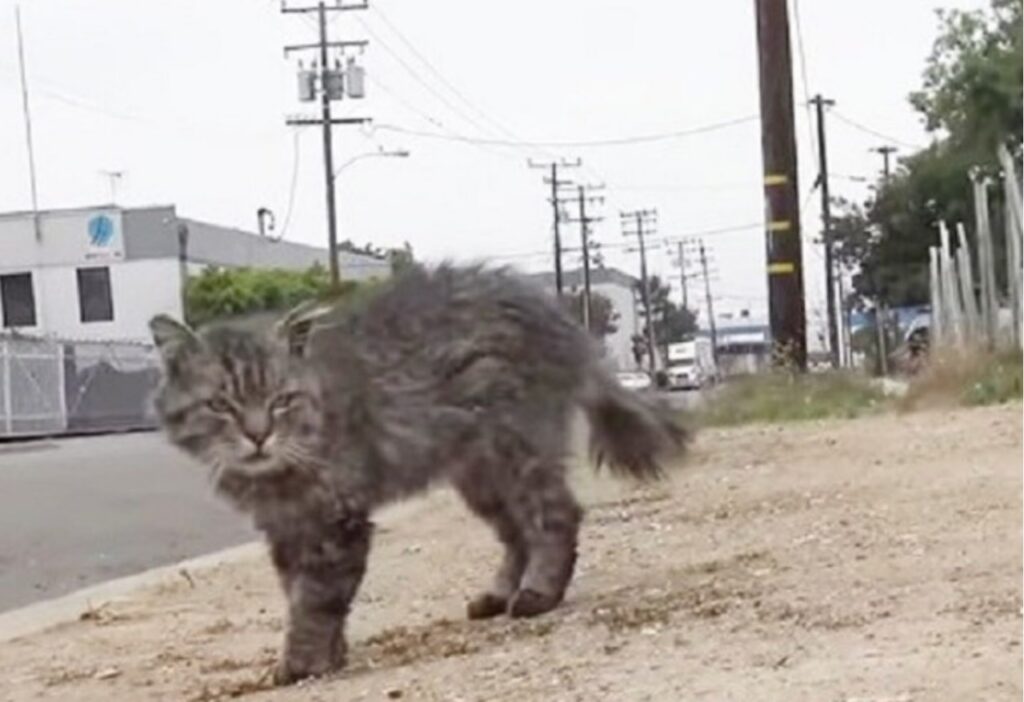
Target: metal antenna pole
x,y
28,125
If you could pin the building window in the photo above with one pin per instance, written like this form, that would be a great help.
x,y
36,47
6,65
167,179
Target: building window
x,y
94,300
18,300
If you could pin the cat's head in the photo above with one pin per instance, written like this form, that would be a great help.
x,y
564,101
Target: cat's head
x,y
233,397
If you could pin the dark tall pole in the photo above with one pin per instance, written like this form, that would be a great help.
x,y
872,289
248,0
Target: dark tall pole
x,y
555,185
820,104
558,234
886,151
646,293
778,146
711,309
881,314
325,108
585,245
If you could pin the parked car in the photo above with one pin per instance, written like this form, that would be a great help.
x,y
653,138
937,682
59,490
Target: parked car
x,y
634,380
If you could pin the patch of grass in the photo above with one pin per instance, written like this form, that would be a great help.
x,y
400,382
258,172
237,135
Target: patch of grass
x,y
784,397
967,378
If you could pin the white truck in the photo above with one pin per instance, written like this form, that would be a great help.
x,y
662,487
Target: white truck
x,y
691,365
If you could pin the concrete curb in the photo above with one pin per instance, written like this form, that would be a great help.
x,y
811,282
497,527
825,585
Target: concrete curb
x,y
49,613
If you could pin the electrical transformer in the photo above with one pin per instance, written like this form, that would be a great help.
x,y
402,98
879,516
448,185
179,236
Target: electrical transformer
x,y
307,85
356,75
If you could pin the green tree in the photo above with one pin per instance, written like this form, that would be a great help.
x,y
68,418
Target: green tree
x,y
671,322
971,99
603,317
973,77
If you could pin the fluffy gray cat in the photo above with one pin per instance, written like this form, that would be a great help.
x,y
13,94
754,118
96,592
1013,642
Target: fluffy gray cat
x,y
460,374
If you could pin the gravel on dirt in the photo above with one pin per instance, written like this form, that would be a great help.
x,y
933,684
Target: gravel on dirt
x,y
867,560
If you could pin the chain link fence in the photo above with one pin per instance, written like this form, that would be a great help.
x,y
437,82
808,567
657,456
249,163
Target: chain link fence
x,y
52,387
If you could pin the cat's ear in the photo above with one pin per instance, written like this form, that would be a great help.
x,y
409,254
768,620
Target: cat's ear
x,y
171,337
294,327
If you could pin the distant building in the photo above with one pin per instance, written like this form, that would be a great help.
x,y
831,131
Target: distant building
x,y
103,272
618,287
744,342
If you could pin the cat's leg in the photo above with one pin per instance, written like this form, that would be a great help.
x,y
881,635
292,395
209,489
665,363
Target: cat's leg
x,y
320,573
487,504
549,515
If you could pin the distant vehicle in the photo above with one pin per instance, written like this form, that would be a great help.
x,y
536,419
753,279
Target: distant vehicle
x,y
691,365
634,380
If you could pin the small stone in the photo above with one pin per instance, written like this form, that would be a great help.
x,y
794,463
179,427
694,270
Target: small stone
x,y
107,674
394,693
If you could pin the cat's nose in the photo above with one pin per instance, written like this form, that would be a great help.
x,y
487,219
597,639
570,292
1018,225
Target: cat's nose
x,y
257,429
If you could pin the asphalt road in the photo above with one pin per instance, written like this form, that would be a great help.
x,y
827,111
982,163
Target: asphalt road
x,y
74,512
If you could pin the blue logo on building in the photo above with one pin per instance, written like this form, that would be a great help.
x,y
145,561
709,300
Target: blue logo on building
x,y
101,230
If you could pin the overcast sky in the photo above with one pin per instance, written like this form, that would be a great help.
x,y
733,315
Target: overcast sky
x,y
189,97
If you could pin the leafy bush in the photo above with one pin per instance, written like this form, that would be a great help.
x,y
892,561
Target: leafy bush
x,y
227,292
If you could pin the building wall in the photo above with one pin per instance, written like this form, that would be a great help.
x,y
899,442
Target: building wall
x,y
211,244
64,238
139,290
619,345
618,288
140,247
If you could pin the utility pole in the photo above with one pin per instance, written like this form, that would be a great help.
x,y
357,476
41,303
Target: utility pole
x,y
584,221
682,271
820,104
711,310
886,151
778,147
881,313
334,84
555,183
641,218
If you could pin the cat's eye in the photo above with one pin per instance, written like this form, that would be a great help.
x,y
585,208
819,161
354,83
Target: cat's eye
x,y
219,405
283,401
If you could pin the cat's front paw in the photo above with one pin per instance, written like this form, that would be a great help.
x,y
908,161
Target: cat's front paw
x,y
291,669
486,606
530,603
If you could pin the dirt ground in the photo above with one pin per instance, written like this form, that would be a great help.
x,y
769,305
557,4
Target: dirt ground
x,y
876,559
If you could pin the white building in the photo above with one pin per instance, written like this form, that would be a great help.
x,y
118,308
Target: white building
x,y
104,272
619,288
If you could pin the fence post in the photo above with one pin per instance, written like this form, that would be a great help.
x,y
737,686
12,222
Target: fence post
x,y
963,255
1014,232
5,377
62,400
952,311
936,331
986,259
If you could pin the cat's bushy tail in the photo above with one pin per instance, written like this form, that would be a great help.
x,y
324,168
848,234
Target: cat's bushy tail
x,y
635,434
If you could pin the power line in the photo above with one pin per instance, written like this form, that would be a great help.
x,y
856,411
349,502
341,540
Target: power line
x,y
430,66
803,76
873,132
455,109
585,143
294,181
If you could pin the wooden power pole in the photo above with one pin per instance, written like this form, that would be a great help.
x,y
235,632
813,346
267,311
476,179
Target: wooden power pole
x,y
820,104
556,183
644,221
778,147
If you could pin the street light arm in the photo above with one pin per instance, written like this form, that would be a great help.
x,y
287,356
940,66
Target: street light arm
x,y
399,153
